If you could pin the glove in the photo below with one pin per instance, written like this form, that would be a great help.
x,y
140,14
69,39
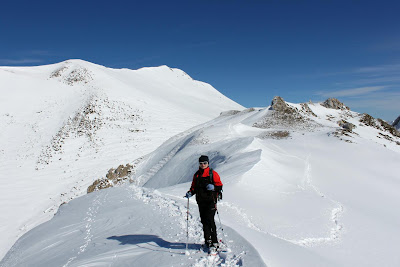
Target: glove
x,y
188,194
210,187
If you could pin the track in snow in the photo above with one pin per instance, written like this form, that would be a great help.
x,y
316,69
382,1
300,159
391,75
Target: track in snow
x,y
179,210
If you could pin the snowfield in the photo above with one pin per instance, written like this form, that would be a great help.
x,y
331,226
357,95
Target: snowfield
x,y
65,125
304,185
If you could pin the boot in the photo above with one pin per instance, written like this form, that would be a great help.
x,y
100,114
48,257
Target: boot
x,y
212,251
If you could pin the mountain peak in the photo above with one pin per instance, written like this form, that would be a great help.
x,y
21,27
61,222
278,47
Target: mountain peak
x,y
396,123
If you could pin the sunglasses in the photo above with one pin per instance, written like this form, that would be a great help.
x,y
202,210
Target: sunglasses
x,y
203,163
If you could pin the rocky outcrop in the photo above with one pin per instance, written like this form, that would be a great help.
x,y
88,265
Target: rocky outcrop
x,y
347,126
71,75
113,177
283,115
368,120
305,108
247,110
334,103
278,104
85,123
98,113
274,135
388,128
234,112
383,126
229,112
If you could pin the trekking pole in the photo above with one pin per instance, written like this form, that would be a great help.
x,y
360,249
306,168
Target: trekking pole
x,y
187,228
222,228
219,218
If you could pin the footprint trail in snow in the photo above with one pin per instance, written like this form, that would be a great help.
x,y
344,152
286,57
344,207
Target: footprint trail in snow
x,y
235,254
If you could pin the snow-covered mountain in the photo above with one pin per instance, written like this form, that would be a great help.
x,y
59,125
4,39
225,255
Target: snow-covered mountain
x,y
396,123
304,185
65,125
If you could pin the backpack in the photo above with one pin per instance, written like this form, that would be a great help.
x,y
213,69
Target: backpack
x,y
219,193
203,195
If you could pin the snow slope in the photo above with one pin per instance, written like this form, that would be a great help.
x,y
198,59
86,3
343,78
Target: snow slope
x,y
65,125
323,200
124,226
302,192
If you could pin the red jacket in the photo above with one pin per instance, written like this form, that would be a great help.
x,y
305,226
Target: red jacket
x,y
206,173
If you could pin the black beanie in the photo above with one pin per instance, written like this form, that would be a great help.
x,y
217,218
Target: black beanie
x,y
203,158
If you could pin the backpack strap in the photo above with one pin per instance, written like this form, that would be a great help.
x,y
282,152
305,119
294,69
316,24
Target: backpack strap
x,y
211,176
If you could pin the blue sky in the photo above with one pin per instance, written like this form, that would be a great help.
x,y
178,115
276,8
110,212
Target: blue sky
x,y
250,50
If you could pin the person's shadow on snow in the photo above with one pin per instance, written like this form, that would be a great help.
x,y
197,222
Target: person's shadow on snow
x,y
149,241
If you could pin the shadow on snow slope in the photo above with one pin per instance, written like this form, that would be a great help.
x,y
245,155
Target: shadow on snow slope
x,y
159,242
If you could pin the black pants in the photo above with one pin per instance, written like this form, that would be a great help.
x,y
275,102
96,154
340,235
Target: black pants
x,y
207,213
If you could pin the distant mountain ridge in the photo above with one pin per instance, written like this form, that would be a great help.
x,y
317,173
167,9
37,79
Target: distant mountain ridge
x,y
396,123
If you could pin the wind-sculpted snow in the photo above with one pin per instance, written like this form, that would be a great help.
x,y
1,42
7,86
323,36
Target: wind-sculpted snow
x,y
181,167
125,226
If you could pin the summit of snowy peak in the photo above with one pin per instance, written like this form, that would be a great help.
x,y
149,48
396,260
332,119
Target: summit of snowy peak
x,y
76,61
181,73
82,63
167,70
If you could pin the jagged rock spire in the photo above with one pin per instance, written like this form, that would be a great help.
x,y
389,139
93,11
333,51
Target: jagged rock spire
x,y
334,104
278,104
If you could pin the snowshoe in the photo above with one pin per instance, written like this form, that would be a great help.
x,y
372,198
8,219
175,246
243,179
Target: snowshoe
x,y
212,251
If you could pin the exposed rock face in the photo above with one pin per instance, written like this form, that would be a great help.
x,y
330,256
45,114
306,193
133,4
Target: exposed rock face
x,y
396,123
229,113
368,120
234,112
113,177
388,128
307,109
247,110
334,103
346,125
98,112
72,75
274,135
285,116
278,104
382,125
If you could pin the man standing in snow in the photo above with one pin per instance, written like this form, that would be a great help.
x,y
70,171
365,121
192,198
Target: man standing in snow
x,y
207,186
